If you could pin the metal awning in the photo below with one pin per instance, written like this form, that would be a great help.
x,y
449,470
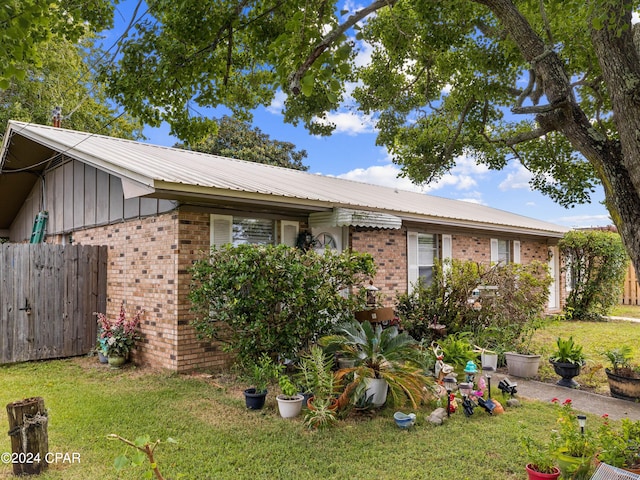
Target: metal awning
x,y
341,217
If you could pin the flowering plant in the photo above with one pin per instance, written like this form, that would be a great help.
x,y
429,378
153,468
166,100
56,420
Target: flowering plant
x,y
569,438
620,447
117,338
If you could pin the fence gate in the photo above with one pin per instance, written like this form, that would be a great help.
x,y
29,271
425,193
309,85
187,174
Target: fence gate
x,y
48,294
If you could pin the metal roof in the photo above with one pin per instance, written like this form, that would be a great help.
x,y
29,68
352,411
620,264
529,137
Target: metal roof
x,y
152,169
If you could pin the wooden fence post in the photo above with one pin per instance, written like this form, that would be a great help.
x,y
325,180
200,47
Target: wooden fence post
x,y
29,438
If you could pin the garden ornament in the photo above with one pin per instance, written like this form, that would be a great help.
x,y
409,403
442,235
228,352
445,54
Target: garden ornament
x,y
404,420
507,387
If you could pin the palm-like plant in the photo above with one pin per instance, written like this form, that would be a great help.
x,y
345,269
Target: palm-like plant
x,y
379,353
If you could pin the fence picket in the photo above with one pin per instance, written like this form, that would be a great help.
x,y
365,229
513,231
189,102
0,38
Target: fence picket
x,y
63,285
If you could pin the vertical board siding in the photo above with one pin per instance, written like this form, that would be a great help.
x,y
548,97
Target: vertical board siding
x,y
631,289
63,285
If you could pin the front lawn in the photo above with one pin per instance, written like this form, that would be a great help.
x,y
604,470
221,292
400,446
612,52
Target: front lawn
x,y
219,439
595,337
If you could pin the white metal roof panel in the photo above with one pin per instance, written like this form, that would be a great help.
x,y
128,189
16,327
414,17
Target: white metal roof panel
x,y
155,166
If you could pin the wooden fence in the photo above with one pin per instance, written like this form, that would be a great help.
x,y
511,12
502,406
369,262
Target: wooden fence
x,y
48,296
630,289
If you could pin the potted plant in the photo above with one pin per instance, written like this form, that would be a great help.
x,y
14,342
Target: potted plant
x,y
259,374
624,376
522,361
540,463
567,361
315,374
289,401
620,447
386,362
117,338
574,446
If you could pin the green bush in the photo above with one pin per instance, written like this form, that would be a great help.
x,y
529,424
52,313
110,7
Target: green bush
x,y
596,266
497,321
269,299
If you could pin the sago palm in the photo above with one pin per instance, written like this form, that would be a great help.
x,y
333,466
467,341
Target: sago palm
x,y
379,353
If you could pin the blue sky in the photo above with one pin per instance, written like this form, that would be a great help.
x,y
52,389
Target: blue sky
x,y
351,153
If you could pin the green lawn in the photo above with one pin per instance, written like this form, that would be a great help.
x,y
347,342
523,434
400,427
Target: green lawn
x,y
219,439
595,337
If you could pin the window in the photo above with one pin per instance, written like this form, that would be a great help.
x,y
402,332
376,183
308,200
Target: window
x,y
427,254
423,250
256,231
505,251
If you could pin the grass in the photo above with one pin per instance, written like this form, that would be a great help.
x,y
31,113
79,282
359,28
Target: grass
x,y
632,311
595,337
219,439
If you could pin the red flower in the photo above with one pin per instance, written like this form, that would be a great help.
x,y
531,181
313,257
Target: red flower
x,y
554,400
567,402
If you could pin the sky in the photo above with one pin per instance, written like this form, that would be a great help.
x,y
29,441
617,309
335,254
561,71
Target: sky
x,y
351,153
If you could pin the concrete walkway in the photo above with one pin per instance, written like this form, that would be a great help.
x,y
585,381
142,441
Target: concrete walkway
x,y
584,401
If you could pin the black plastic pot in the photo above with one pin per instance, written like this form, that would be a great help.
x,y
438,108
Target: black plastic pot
x,y
254,400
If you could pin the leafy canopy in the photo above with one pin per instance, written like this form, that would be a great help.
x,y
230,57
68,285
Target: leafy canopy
x,y
236,139
439,81
26,25
64,79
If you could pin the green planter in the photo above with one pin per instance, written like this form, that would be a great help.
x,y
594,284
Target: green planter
x,y
576,468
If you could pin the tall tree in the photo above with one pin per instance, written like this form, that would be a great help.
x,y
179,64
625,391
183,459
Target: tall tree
x,y
25,25
442,78
236,139
64,79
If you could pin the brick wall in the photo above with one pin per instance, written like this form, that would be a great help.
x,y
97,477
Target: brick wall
x,y
148,267
389,248
148,263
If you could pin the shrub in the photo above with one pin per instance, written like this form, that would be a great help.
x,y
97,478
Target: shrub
x,y
522,294
596,265
269,299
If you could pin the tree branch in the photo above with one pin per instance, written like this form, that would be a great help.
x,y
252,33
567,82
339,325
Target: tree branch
x,y
296,77
537,109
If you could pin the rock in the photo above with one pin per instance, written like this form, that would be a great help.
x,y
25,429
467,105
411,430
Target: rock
x,y
437,416
513,402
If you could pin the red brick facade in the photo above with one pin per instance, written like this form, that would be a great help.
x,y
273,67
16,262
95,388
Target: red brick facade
x,y
148,267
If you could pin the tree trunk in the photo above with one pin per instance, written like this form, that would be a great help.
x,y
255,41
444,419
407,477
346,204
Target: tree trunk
x,y
616,160
29,438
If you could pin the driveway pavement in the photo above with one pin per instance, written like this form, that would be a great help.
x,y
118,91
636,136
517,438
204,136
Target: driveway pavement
x,y
583,401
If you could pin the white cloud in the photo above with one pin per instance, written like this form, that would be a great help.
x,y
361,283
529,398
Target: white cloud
x,y
349,122
583,221
277,104
385,175
463,177
517,178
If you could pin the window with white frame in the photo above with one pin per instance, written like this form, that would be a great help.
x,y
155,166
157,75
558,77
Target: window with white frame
x,y
423,250
505,251
427,255
257,231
